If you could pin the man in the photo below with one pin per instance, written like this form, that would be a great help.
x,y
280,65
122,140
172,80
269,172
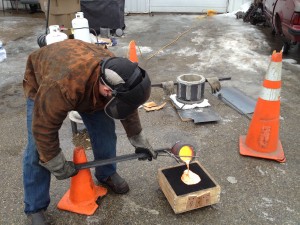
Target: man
x,y
74,75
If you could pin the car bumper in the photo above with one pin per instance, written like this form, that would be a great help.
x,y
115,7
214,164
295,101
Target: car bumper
x,y
295,33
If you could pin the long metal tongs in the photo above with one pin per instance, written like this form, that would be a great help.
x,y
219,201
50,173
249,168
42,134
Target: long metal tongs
x,y
160,152
175,83
116,159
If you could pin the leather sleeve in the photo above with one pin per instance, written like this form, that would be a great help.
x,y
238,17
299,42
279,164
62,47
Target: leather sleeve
x,y
132,124
50,109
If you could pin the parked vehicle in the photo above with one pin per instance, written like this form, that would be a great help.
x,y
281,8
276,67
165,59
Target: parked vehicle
x,y
284,18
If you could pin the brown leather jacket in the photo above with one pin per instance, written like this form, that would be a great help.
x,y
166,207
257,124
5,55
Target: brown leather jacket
x,y
62,77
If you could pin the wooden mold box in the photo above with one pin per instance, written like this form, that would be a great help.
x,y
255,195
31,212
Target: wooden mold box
x,y
184,197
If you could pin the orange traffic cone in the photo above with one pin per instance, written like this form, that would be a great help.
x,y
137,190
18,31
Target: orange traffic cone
x,y
262,140
132,56
83,193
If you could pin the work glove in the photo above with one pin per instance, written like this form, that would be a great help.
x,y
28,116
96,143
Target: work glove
x,y
168,87
60,167
214,84
141,144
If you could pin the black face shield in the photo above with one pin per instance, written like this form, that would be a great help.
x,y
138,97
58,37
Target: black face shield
x,y
128,95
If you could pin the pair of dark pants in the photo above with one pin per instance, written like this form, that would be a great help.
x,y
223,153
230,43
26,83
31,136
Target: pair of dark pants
x,y
36,179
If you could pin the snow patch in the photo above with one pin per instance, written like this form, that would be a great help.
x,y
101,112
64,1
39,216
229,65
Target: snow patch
x,y
186,52
241,56
291,62
145,49
243,8
232,180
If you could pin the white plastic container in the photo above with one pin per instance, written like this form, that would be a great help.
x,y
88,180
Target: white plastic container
x,y
2,52
81,28
55,35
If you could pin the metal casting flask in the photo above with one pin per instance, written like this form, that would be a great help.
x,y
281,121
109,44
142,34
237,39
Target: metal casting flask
x,y
55,35
190,88
81,28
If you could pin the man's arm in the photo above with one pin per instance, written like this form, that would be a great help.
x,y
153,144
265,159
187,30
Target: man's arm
x,y
132,124
136,136
50,109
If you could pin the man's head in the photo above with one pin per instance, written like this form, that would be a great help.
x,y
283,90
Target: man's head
x,y
130,86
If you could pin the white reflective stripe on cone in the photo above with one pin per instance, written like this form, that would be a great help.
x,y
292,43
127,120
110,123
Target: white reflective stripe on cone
x,y
269,94
274,71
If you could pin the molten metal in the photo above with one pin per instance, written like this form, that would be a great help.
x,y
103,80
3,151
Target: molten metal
x,y
188,177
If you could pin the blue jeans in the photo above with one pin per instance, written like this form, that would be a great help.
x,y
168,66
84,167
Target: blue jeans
x,y
36,179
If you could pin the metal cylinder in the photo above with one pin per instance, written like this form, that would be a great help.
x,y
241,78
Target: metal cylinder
x,y
81,28
190,88
55,35
104,32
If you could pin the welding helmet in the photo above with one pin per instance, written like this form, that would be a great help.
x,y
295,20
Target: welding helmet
x,y
130,85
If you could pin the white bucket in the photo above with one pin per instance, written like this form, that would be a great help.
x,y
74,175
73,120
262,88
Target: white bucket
x,y
81,28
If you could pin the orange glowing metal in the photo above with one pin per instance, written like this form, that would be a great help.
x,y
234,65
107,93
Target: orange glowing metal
x,y
186,153
188,177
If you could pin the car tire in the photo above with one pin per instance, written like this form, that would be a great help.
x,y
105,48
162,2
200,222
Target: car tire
x,y
273,32
286,47
278,26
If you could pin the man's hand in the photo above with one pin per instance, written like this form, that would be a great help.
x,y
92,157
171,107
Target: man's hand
x,y
60,167
214,84
142,145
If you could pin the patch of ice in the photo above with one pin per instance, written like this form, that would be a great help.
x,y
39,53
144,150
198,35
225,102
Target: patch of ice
x,y
226,15
291,61
145,49
186,52
241,56
243,8
232,180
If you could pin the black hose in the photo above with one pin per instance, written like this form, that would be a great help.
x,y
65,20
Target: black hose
x,y
41,40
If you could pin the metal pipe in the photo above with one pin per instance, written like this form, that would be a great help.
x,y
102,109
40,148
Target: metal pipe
x,y
175,83
116,159
109,161
48,14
